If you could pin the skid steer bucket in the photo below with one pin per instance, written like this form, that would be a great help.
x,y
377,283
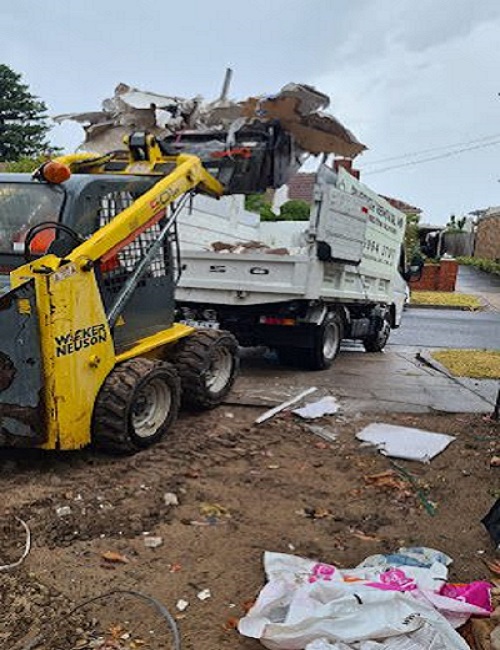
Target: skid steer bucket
x,y
21,408
251,160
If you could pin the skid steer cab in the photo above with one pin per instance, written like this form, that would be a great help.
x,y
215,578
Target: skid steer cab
x,y
89,350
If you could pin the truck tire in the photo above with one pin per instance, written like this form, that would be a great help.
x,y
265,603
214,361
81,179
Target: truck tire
x,y
325,347
207,363
137,404
378,341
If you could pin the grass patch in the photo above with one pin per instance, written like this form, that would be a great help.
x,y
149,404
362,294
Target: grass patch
x,y
445,299
479,364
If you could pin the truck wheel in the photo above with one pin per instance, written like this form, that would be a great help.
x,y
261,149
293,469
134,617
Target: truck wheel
x,y
207,363
378,342
136,405
326,346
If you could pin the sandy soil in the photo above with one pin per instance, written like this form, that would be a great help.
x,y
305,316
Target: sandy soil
x,y
280,487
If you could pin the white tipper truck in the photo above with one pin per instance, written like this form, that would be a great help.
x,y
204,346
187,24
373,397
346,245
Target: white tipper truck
x,y
341,275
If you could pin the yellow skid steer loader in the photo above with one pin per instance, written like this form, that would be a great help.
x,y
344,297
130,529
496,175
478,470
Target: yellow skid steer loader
x,y
89,350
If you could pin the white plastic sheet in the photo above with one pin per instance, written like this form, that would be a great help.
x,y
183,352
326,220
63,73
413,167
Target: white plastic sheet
x,y
316,606
405,442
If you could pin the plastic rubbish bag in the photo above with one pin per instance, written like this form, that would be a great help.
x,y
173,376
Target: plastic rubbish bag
x,y
365,608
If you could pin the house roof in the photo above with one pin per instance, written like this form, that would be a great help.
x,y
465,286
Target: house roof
x,y
402,205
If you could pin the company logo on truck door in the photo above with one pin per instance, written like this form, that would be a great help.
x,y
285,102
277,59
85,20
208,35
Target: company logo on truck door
x,y
82,338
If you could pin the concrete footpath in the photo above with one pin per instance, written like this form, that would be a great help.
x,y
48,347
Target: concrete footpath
x,y
484,285
393,381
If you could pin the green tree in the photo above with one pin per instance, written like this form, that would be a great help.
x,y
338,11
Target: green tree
x,y
295,210
259,204
23,120
412,240
25,165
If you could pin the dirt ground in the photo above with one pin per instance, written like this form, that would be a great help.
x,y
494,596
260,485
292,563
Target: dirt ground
x,y
275,487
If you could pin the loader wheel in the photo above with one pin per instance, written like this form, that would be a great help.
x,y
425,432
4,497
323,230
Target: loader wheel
x,y
207,363
136,405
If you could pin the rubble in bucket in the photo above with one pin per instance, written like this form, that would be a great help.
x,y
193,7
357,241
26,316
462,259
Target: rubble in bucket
x,y
268,136
389,602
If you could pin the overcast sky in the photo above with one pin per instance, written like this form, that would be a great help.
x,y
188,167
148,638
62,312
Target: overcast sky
x,y
404,76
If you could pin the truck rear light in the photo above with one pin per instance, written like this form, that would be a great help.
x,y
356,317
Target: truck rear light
x,y
273,320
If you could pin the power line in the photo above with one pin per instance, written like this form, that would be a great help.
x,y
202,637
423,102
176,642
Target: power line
x,y
431,150
424,160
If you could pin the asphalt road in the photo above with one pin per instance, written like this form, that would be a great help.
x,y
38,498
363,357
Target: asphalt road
x,y
437,328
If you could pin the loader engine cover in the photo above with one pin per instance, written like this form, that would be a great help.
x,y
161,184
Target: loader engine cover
x,y
21,410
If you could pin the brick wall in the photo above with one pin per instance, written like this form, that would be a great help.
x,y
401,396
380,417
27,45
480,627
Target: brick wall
x,y
301,187
488,238
437,277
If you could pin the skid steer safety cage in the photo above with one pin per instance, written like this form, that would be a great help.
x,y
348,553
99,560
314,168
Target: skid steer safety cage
x,y
116,270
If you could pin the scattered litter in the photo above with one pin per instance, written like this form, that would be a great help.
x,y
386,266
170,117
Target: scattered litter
x,y
359,534
63,511
170,499
281,407
494,567
115,637
492,523
231,624
403,605
405,442
153,542
322,432
27,548
274,466
495,461
114,558
326,406
182,605
174,568
204,594
388,479
214,510
429,506
314,513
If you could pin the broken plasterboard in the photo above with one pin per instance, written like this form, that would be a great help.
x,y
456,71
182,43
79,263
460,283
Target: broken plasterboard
x,y
325,406
405,442
298,107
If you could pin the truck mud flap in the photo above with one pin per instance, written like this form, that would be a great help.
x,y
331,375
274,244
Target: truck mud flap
x,y
21,380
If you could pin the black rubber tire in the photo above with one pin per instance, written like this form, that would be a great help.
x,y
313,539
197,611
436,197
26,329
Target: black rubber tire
x,y
113,428
314,358
194,357
378,342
